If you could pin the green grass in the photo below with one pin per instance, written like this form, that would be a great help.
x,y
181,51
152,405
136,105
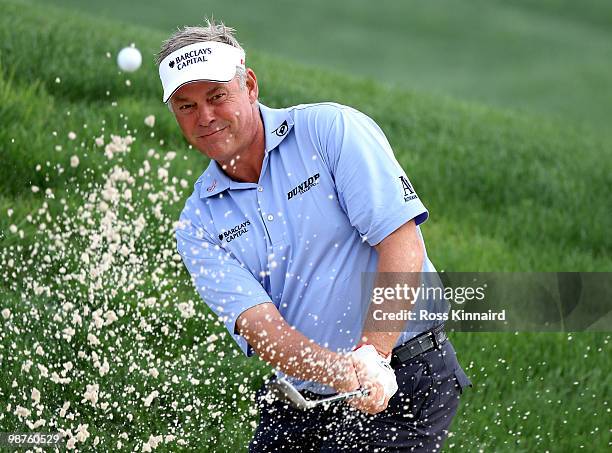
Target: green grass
x,y
506,192
517,181
549,56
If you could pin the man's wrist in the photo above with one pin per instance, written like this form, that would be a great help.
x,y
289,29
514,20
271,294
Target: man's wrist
x,y
384,354
342,372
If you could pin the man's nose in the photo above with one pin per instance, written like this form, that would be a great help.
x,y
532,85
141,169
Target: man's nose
x,y
205,115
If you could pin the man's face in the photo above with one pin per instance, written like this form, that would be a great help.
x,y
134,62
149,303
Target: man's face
x,y
219,119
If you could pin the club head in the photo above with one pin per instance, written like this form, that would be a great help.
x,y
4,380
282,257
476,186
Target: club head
x,y
283,390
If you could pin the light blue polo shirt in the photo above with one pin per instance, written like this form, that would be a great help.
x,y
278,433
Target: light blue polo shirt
x,y
329,190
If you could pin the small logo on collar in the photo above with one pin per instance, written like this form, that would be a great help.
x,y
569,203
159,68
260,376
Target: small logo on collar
x,y
212,186
282,129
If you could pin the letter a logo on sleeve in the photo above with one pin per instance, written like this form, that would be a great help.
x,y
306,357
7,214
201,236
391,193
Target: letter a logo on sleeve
x,y
409,193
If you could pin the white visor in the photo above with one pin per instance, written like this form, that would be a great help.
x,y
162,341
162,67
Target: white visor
x,y
207,61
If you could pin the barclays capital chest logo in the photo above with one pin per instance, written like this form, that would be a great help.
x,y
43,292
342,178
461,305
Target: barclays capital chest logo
x,y
235,232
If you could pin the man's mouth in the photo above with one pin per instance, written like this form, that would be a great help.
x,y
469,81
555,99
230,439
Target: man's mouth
x,y
212,133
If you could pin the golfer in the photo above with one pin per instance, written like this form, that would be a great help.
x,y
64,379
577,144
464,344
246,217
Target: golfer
x,y
298,207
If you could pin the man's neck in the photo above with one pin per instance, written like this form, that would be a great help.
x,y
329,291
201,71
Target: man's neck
x,y
248,167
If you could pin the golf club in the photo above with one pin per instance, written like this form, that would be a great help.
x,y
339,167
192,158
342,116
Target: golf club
x,y
283,390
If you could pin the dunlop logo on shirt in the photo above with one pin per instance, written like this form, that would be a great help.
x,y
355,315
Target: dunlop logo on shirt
x,y
304,187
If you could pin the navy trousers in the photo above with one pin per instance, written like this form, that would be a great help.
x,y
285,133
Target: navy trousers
x,y
417,419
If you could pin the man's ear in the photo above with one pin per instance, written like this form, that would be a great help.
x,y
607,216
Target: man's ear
x,y
171,110
251,85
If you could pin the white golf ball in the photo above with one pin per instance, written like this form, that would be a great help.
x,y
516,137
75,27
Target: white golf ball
x,y
129,59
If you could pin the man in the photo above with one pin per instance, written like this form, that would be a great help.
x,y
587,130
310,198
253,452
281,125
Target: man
x,y
295,207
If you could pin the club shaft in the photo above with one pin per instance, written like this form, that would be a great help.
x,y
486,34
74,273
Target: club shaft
x,y
343,396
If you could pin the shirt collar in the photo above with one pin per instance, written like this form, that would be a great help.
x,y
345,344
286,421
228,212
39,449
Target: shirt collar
x,y
277,125
213,180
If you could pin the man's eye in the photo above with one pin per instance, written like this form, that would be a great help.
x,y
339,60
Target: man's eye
x,y
216,97
185,106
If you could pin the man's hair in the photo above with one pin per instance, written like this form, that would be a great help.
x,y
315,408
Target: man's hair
x,y
212,31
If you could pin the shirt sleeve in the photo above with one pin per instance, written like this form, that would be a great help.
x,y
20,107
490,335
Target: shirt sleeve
x,y
224,284
372,187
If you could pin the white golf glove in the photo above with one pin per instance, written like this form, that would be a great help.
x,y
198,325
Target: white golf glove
x,y
378,368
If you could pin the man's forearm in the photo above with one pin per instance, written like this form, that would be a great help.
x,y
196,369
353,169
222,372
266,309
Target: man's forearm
x,y
285,348
384,334
400,260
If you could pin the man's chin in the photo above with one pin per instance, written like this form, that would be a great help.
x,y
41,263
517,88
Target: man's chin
x,y
212,153
205,146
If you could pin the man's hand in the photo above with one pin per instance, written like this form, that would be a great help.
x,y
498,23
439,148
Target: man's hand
x,y
378,367
375,373
365,368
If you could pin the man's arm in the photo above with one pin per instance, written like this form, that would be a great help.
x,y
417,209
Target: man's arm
x,y
401,251
285,348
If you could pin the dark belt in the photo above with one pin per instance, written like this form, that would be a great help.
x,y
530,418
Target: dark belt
x,y
422,343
